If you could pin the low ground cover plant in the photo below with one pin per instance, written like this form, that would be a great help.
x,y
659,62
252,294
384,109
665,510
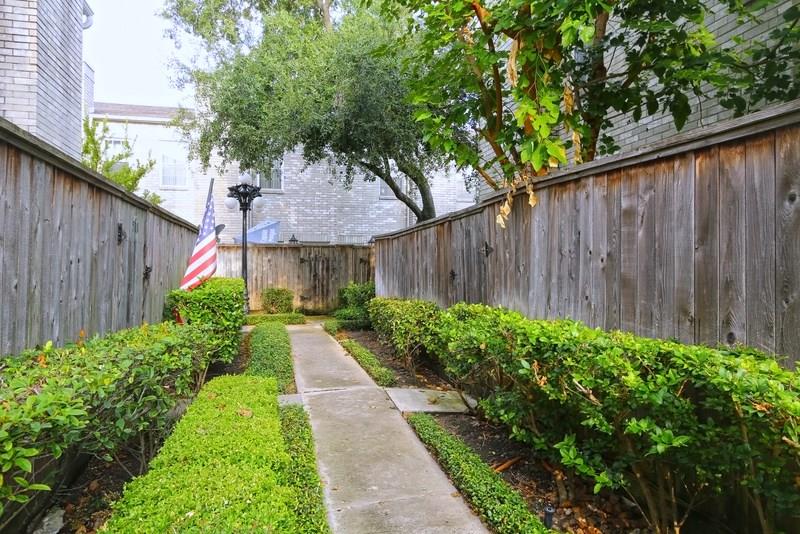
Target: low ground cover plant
x,y
332,326
218,302
383,376
353,300
93,397
225,468
495,501
670,424
302,474
283,318
277,300
271,355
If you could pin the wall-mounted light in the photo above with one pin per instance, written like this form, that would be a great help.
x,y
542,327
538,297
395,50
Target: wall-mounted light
x,y
293,240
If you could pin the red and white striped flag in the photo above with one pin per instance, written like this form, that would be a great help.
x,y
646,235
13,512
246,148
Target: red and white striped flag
x,y
203,261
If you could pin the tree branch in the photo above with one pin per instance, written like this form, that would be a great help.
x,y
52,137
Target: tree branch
x,y
393,185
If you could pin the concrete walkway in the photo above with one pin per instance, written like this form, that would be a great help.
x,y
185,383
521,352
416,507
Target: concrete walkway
x,y
378,476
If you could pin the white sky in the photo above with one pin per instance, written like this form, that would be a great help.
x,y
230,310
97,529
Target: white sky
x,y
130,55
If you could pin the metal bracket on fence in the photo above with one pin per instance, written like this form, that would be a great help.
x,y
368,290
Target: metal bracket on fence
x,y
121,235
486,249
453,275
147,270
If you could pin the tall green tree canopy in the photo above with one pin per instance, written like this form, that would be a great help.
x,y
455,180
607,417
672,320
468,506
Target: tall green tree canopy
x,y
340,91
533,79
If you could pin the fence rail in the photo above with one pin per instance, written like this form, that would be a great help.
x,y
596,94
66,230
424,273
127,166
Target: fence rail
x,y
77,253
314,273
697,239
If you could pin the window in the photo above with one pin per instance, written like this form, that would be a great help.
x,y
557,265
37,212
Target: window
x,y
271,178
173,172
386,191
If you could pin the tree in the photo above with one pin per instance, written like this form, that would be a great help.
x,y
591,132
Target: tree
x,y
341,93
96,154
534,79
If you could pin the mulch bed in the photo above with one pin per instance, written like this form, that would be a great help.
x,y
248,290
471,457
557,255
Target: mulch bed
x,y
578,509
425,376
87,502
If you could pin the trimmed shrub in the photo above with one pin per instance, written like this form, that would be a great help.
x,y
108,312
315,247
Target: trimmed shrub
x,y
351,314
302,474
283,318
271,355
371,364
225,468
353,300
218,302
355,295
333,326
407,325
92,397
497,503
671,423
277,300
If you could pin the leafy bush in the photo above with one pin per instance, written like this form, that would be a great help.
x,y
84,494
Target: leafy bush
x,y
382,375
497,503
302,473
218,302
407,325
351,314
94,396
271,355
283,318
225,468
277,300
671,423
355,295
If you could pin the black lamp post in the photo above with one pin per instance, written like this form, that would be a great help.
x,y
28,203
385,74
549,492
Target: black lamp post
x,y
245,195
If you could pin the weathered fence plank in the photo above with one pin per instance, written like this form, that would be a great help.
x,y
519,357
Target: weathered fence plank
x,y
62,271
787,282
314,273
697,239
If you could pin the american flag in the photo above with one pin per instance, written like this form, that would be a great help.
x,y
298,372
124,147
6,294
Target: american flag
x,y
203,261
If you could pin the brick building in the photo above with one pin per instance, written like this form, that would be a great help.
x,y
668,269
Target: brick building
x,y
306,200
41,68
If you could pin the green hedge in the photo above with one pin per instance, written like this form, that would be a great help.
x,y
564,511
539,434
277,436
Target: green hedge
x,y
353,300
656,417
333,326
271,355
355,295
382,375
218,302
277,300
92,397
407,325
283,318
302,474
226,468
497,503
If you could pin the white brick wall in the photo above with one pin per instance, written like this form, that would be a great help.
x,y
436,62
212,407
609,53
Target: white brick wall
x,y
41,69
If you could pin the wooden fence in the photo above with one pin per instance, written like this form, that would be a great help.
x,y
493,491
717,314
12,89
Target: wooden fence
x,y
697,239
314,273
77,253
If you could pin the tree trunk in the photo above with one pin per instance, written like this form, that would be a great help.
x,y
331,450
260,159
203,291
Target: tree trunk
x,y
396,188
421,181
325,12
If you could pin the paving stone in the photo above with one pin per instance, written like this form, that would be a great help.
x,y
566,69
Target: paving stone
x,y
378,477
426,400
